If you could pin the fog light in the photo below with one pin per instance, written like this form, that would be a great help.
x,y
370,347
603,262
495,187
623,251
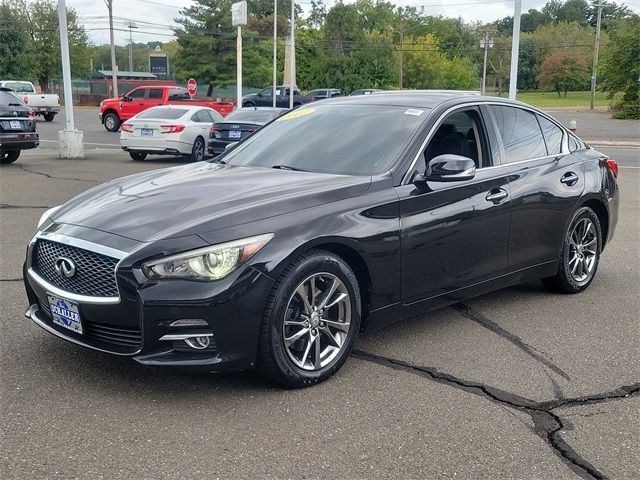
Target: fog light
x,y
199,343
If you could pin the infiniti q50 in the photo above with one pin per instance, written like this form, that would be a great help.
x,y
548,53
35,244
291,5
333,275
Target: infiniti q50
x,y
338,217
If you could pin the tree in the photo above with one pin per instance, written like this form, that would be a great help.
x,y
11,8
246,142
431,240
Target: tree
x,y
16,60
611,12
44,33
620,69
563,72
571,38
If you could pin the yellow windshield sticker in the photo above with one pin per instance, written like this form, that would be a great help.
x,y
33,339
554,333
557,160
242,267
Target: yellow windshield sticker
x,y
297,113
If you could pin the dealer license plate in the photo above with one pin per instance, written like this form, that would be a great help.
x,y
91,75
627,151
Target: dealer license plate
x,y
146,132
235,134
15,124
65,313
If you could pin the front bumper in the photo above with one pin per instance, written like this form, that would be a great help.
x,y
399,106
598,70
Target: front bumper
x,y
231,311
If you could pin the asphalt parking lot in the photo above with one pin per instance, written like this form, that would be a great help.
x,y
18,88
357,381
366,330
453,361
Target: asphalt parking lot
x,y
520,383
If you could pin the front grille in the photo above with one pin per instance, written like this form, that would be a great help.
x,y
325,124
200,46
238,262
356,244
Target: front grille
x,y
95,273
120,335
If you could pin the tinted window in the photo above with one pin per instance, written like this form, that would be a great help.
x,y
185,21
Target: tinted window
x,y
163,113
520,134
552,136
213,116
155,94
267,92
575,144
251,115
177,94
345,139
458,134
137,94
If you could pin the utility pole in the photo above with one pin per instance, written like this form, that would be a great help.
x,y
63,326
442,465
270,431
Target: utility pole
x,y
69,140
401,55
486,43
131,25
275,50
292,63
114,65
239,18
515,50
596,50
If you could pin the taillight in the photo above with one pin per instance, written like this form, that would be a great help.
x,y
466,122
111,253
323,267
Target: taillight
x,y
126,127
613,166
171,128
32,113
213,131
26,100
251,130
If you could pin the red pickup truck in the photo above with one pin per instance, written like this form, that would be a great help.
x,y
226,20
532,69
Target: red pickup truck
x,y
114,111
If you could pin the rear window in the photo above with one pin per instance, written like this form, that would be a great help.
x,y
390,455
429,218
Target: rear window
x,y
7,97
520,134
552,136
178,94
19,87
260,116
163,113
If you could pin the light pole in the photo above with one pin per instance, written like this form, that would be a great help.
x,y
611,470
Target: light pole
x,y
131,25
114,65
596,50
275,50
515,50
239,18
292,63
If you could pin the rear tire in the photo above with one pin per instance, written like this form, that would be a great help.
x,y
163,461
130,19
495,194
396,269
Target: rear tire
x,y
49,116
138,156
198,150
111,122
311,320
580,254
9,157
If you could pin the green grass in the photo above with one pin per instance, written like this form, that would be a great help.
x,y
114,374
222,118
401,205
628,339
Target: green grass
x,y
574,99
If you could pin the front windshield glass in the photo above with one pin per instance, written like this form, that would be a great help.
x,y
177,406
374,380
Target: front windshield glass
x,y
343,139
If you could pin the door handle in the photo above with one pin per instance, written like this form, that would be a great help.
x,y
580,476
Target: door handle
x,y
569,179
496,195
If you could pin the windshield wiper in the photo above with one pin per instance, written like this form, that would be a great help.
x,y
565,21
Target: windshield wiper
x,y
287,167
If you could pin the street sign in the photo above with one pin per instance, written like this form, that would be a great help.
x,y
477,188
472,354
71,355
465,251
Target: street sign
x,y
239,14
192,86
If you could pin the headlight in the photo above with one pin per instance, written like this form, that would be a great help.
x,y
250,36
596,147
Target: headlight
x,y
47,214
209,263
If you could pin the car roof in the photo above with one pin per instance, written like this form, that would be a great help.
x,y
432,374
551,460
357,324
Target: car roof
x,y
419,99
260,109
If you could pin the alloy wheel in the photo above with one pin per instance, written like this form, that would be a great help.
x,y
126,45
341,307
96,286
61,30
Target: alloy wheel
x,y
317,321
583,249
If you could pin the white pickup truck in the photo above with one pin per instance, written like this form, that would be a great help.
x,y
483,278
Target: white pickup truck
x,y
45,104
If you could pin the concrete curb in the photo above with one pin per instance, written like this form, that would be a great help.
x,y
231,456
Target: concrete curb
x,y
614,143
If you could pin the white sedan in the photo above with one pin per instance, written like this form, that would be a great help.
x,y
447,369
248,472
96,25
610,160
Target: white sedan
x,y
168,130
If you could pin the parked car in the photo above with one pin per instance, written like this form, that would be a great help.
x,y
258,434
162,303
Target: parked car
x,y
45,104
17,127
365,91
264,98
114,111
321,225
238,125
322,93
168,130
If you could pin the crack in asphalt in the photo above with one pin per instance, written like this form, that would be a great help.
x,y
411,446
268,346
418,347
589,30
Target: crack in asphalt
x,y
547,424
9,206
25,169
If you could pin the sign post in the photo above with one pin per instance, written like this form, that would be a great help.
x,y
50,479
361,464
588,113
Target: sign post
x,y
238,19
192,87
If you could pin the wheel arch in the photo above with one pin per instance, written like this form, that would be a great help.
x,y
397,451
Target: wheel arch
x,y
602,213
108,111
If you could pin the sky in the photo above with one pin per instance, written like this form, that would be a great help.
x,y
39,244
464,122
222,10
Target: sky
x,y
154,18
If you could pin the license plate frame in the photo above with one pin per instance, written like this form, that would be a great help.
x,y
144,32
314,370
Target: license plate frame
x,y
146,132
65,313
235,134
15,124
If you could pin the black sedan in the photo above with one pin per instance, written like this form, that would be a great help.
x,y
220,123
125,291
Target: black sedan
x,y
335,218
239,124
17,127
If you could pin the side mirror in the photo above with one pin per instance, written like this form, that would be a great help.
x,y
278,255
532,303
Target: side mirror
x,y
126,98
229,146
450,168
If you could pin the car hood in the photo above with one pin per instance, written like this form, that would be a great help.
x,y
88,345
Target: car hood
x,y
201,197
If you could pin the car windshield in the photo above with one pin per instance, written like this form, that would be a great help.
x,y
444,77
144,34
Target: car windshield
x,y
19,87
261,116
342,139
163,113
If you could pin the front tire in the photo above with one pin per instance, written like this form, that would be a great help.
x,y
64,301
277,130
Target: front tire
x,y
137,156
248,104
311,321
197,152
580,254
9,157
111,122
49,116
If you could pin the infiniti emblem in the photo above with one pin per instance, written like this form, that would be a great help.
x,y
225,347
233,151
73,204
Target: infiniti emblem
x,y
65,267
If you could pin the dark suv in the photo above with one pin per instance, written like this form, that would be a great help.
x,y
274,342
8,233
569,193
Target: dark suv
x,y
17,127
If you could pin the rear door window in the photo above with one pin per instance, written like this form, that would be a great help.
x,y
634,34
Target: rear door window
x,y
519,134
553,135
155,94
178,94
